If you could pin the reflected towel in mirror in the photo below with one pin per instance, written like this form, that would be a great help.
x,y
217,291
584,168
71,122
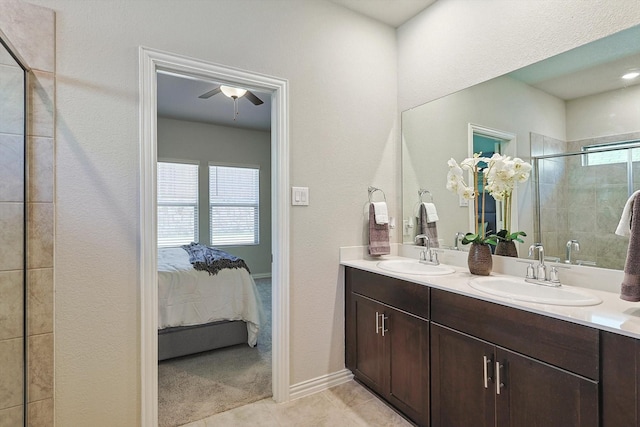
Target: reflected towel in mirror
x,y
432,213
624,226
427,227
630,289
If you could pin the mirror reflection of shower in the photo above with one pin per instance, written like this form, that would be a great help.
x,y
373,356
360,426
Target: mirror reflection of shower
x,y
580,195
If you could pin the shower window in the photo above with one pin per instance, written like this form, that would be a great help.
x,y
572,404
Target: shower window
x,y
616,155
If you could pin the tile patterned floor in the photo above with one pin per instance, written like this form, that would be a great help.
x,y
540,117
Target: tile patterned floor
x,y
346,405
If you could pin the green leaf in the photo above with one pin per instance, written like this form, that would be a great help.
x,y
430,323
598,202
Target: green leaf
x,y
470,238
490,241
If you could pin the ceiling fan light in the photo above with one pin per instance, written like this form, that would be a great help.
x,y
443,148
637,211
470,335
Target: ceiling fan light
x,y
233,92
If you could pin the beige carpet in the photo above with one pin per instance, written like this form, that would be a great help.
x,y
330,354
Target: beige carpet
x,y
194,387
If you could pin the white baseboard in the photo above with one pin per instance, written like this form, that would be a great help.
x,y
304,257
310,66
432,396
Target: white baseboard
x,y
261,276
319,384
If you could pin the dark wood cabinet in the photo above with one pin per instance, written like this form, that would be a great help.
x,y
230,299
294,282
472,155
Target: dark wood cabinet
x,y
537,394
474,382
450,360
387,347
462,389
620,380
369,345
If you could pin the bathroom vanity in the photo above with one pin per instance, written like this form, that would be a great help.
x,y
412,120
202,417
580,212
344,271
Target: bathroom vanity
x,y
444,354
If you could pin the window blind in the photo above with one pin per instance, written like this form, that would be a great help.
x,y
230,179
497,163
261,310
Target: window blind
x,y
234,205
177,204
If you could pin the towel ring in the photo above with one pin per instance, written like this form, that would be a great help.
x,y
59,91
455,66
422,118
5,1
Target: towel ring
x,y
422,192
372,190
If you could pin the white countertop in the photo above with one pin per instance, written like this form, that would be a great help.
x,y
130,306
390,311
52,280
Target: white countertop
x,y
613,314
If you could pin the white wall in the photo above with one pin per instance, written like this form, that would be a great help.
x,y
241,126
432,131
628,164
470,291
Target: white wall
x,y
205,143
610,113
342,75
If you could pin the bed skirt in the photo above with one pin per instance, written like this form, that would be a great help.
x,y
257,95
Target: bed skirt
x,y
180,341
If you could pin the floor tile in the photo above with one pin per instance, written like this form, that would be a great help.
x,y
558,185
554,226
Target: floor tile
x,y
346,405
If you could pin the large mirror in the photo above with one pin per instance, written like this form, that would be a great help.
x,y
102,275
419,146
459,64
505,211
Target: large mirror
x,y
572,116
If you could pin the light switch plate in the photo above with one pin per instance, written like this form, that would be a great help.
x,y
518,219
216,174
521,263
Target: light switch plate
x,y
300,196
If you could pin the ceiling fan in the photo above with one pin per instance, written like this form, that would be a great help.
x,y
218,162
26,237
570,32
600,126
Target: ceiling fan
x,y
234,93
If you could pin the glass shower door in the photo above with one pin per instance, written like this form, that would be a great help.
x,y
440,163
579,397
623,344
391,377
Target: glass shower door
x,y
12,240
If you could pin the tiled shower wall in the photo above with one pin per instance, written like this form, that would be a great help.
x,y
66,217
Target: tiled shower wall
x,y
582,202
30,30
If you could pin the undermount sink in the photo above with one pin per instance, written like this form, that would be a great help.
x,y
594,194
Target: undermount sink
x,y
409,266
520,290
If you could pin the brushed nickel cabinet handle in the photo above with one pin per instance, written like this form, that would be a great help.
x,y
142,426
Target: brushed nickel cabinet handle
x,y
377,323
499,384
485,369
384,318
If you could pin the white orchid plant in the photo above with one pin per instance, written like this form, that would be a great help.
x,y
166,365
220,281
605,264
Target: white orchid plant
x,y
500,175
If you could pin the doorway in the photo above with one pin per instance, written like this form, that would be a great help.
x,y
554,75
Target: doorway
x,y
488,142
151,62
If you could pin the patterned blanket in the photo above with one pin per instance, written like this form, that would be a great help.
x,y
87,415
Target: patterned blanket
x,y
212,260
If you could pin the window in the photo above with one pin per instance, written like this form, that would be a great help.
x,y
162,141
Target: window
x,y
618,154
234,204
177,204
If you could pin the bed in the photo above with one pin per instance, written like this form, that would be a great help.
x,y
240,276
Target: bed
x,y
200,312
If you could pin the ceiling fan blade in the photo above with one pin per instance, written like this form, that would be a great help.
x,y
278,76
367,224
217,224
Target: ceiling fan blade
x,y
209,94
251,97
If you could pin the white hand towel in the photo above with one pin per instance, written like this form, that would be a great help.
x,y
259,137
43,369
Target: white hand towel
x,y
432,214
381,213
624,226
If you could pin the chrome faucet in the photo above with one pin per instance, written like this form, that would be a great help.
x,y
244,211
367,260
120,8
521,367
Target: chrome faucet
x,y
571,244
539,274
456,240
541,269
427,255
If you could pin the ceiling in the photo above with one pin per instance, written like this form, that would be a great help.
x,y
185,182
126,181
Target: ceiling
x,y
390,12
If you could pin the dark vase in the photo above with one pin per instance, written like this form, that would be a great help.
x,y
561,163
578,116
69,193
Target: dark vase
x,y
480,262
507,248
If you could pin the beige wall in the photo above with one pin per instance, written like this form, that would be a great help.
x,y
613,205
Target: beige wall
x,y
205,143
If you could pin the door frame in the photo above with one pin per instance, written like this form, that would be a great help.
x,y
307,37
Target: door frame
x,y
510,149
151,61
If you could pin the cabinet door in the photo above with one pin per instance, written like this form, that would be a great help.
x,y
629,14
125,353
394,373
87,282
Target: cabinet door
x,y
369,350
460,396
407,350
537,394
620,380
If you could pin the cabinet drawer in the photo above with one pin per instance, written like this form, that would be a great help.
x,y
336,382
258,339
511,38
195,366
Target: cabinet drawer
x,y
407,296
557,342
